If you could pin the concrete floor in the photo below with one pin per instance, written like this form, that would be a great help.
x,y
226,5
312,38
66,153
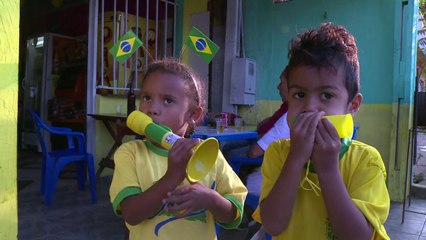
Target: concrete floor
x,y
72,215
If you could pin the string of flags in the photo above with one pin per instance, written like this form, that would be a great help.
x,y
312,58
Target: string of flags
x,y
196,40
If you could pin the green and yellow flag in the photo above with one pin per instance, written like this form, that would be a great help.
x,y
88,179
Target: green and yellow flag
x,y
126,46
201,44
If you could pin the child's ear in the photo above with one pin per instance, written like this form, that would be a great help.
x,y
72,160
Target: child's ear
x,y
355,104
196,114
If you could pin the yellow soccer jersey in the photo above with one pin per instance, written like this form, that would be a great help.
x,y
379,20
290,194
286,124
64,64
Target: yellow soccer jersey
x,y
139,164
364,176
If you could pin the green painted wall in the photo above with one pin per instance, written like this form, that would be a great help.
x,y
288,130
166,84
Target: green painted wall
x,y
267,37
9,49
387,61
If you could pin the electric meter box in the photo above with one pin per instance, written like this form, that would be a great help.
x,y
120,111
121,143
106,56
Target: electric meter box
x,y
243,81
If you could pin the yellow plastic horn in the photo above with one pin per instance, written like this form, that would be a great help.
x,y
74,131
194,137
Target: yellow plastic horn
x,y
205,153
344,124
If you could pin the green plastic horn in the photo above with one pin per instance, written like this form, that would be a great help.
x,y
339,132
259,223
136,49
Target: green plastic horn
x,y
205,153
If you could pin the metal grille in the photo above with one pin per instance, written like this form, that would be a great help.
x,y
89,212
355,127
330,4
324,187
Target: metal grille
x,y
153,21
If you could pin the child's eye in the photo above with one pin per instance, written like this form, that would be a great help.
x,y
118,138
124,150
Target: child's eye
x,y
299,95
146,98
327,96
168,101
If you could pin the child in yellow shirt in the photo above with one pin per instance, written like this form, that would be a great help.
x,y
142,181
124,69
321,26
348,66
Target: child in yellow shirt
x,y
316,185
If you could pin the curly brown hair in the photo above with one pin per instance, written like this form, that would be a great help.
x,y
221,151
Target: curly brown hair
x,y
194,86
330,47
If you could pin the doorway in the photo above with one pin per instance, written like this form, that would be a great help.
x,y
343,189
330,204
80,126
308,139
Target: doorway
x,y
419,146
418,149
52,68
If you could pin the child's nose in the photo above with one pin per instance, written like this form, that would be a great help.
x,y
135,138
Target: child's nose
x,y
310,105
153,109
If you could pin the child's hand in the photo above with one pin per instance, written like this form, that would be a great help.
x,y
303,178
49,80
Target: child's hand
x,y
325,155
178,157
302,134
188,199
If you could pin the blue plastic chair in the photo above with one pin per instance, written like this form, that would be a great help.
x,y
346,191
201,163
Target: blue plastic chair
x,y
55,160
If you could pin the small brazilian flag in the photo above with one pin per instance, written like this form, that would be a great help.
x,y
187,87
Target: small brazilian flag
x,y
126,46
201,44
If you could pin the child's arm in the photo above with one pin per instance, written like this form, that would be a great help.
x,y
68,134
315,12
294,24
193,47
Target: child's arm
x,y
255,151
197,196
139,207
283,193
347,220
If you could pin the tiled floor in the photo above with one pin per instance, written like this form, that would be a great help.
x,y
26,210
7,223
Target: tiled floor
x,y
415,214
414,221
73,217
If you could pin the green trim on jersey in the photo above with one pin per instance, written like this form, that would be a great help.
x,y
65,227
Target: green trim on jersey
x,y
126,192
160,151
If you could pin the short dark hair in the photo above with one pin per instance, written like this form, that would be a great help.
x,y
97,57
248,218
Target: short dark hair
x,y
330,47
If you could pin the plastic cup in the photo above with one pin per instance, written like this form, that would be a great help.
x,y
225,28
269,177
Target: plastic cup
x,y
344,124
238,123
220,125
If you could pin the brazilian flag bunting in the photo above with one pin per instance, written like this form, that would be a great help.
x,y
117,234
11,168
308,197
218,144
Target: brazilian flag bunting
x,y
125,46
201,44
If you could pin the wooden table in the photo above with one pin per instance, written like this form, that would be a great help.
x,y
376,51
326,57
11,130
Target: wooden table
x,y
117,135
